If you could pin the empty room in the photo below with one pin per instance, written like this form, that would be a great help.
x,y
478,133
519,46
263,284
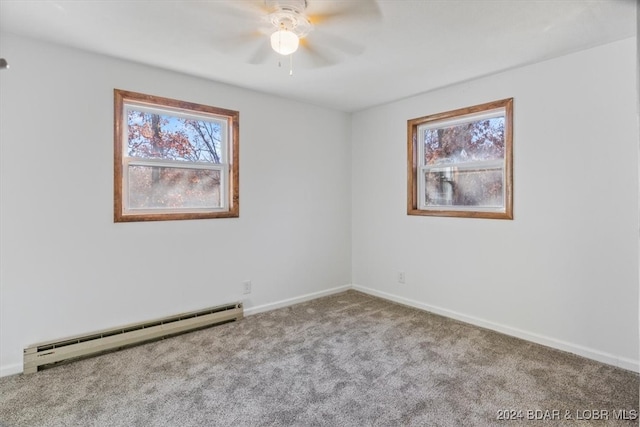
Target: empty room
x,y
319,212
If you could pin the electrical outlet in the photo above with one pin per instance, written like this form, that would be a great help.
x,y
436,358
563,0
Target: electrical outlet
x,y
401,278
246,286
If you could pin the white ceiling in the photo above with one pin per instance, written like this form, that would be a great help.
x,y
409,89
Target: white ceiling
x,y
379,52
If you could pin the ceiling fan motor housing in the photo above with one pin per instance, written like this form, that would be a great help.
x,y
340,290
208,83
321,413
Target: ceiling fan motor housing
x,y
298,5
289,15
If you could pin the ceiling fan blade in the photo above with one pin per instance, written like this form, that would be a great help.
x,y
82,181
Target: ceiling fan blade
x,y
337,43
242,38
312,56
261,53
342,11
237,42
228,15
250,47
246,8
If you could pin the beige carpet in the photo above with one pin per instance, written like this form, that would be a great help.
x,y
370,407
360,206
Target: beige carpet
x,y
344,360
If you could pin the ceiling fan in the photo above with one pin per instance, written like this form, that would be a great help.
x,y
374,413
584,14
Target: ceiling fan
x,y
307,28
290,22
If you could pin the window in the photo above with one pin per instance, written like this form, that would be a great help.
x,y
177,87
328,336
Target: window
x,y
460,162
174,159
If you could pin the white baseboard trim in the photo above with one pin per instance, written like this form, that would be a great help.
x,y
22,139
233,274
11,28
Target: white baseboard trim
x,y
609,359
17,368
5,371
296,300
624,363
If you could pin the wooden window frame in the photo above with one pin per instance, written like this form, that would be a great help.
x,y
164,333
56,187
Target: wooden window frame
x,y
230,184
415,165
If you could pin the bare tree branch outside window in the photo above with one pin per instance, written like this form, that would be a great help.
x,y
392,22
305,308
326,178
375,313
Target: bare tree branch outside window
x,y
174,159
460,162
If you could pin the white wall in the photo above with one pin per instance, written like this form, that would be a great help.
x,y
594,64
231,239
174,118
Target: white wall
x,y
66,268
564,272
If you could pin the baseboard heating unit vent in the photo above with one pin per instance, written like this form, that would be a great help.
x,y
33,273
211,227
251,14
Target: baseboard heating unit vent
x,y
39,355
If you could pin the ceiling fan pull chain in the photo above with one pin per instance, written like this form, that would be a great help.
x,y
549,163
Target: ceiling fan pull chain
x,y
291,64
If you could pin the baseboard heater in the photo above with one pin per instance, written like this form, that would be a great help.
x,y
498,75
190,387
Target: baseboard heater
x,y
43,354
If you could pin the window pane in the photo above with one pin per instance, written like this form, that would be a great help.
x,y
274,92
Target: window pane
x,y
157,136
152,187
464,187
466,142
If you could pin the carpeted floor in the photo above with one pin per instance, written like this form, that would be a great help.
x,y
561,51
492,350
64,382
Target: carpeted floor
x,y
345,360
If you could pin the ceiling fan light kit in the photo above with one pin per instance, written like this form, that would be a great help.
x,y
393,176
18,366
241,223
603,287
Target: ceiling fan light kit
x,y
284,42
291,23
